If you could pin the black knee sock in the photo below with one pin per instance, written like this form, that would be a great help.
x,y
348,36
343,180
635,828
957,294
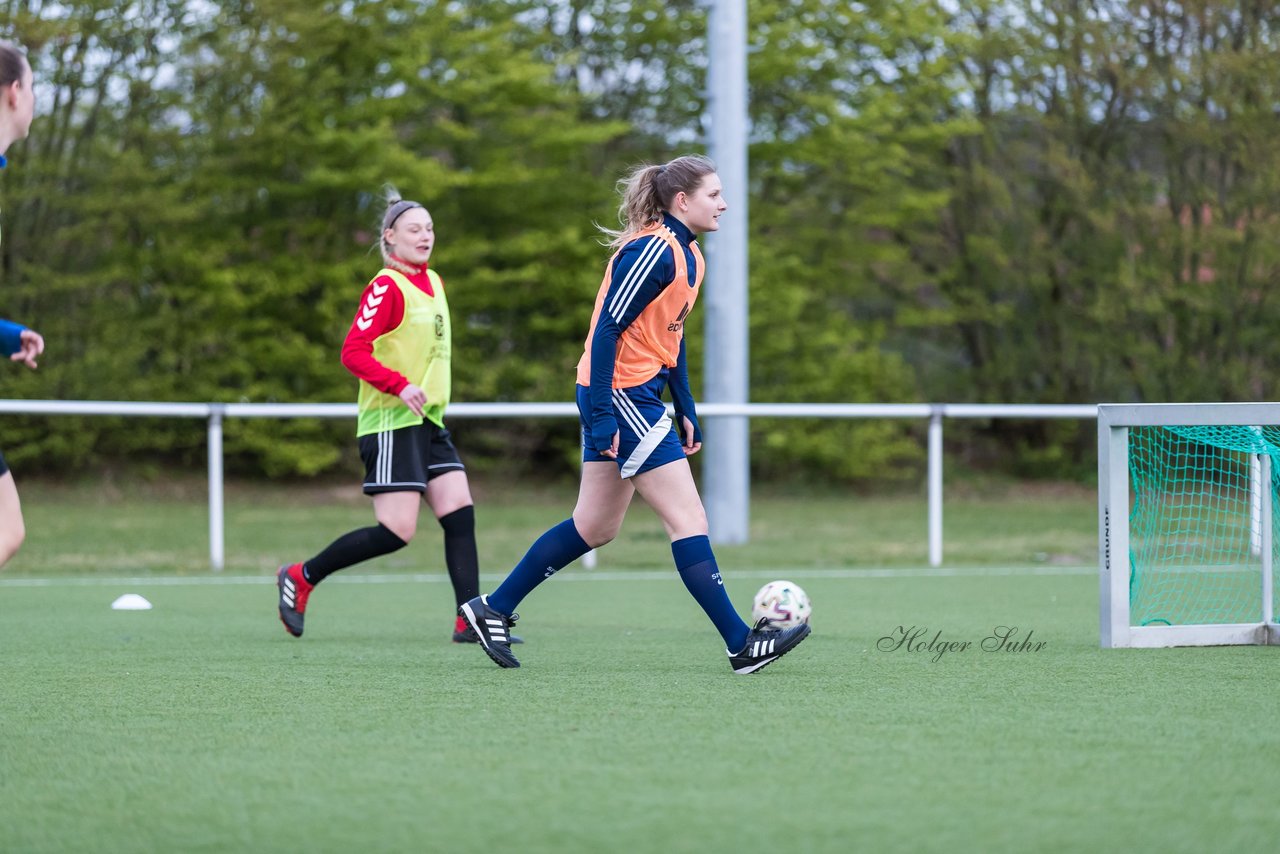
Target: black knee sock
x,y
460,553
352,547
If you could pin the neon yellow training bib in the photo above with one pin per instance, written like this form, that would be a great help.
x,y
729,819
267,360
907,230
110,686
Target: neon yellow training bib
x,y
420,349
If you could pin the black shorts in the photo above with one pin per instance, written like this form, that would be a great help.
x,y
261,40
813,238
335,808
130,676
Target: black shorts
x,y
4,467
404,460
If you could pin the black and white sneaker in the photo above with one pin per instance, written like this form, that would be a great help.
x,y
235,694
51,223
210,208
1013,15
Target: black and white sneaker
x,y
766,645
492,628
463,633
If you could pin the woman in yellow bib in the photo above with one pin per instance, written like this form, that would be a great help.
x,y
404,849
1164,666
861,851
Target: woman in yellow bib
x,y
398,346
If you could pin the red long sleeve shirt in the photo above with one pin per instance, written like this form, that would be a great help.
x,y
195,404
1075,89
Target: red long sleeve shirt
x,y
381,310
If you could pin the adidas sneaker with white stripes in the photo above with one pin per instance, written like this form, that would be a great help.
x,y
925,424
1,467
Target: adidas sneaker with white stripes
x,y
493,629
292,592
766,645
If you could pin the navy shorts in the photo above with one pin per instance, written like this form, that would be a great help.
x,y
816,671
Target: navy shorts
x,y
645,437
4,467
405,459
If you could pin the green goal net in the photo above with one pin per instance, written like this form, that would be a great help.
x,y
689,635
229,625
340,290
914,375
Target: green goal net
x,y
1198,519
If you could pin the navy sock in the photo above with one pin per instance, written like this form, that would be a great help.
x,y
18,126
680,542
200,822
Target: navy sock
x,y
460,553
698,571
351,547
553,551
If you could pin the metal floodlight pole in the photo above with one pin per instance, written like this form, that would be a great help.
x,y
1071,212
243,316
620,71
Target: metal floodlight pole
x,y
726,453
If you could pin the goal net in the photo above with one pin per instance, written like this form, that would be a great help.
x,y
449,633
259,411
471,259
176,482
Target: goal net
x,y
1187,523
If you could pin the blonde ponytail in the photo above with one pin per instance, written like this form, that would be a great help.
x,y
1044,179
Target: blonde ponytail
x,y
649,190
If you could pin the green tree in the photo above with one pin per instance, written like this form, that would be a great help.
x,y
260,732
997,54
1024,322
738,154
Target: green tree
x,y
850,114
1106,235
249,143
1000,201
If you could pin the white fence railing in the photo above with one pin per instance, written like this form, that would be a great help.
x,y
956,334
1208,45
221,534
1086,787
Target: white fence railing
x,y
215,413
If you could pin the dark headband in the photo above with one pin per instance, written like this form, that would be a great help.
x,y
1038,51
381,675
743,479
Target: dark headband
x,y
396,211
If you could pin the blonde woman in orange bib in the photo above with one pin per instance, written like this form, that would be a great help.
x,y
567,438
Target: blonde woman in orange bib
x,y
635,351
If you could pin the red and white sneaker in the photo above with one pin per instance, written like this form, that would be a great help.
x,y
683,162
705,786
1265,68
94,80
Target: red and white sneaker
x,y
294,591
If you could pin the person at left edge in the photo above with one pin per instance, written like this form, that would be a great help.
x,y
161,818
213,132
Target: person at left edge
x,y
20,344
398,346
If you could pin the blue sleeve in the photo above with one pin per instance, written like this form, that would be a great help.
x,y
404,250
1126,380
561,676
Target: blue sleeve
x,y
682,397
640,272
11,336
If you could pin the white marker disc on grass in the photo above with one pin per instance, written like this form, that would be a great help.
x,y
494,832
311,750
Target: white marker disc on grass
x,y
131,602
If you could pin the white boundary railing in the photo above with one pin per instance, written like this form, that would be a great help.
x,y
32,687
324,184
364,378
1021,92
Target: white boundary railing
x,y
215,413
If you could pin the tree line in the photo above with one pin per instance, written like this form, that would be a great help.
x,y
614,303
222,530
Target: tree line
x,y
1012,202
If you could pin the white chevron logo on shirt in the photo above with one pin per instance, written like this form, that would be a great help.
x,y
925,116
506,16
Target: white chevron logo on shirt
x,y
379,291
363,324
368,313
374,301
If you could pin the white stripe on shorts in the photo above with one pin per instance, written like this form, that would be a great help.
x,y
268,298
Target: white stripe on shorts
x,y
629,412
648,442
386,444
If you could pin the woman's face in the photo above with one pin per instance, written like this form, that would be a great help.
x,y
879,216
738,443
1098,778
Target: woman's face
x,y
20,98
412,236
701,209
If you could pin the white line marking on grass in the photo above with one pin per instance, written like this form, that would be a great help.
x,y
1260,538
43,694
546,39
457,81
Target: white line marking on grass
x,y
584,575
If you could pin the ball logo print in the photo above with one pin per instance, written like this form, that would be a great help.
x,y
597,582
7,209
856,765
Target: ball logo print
x,y
783,603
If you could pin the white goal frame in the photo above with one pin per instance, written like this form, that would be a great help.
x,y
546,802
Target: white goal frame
x,y
1114,496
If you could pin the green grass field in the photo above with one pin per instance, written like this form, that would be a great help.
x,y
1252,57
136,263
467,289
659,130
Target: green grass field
x,y
201,726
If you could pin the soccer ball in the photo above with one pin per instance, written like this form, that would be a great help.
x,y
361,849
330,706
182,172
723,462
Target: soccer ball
x,y
783,603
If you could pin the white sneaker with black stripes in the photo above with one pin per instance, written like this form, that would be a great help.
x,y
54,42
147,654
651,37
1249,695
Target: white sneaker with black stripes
x,y
766,645
493,629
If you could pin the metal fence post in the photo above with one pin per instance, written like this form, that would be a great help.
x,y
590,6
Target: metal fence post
x,y
216,533
935,487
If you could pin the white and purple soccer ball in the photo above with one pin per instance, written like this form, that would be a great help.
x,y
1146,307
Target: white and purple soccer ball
x,y
783,603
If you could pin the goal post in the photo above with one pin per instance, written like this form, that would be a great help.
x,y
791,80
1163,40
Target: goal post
x,y
1187,520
